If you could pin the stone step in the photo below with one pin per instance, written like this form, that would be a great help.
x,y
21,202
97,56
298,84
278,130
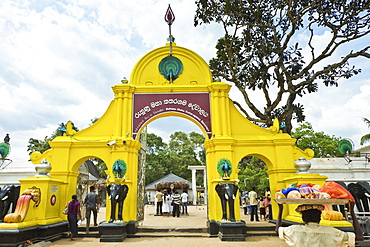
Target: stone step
x,y
83,235
261,228
170,235
148,229
261,231
173,231
91,229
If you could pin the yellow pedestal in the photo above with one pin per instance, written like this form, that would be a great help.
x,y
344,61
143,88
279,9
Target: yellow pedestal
x,y
50,209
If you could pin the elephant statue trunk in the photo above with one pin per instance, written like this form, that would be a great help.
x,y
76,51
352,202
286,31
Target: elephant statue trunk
x,y
8,198
21,209
117,194
227,193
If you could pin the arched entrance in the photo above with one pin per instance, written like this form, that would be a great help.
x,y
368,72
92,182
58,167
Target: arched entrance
x,y
178,85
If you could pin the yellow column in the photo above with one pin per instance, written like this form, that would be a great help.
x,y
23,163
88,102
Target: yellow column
x,y
225,120
220,110
126,110
119,110
215,115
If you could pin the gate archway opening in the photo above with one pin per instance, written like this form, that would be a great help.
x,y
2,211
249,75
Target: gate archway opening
x,y
172,128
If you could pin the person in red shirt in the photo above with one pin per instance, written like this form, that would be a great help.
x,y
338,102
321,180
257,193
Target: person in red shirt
x,y
74,210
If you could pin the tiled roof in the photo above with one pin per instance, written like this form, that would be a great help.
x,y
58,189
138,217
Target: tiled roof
x,y
168,178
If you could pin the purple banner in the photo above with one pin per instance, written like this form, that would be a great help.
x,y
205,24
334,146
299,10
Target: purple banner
x,y
194,105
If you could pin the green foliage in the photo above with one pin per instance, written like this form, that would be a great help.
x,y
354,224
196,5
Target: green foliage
x,y
154,144
259,50
253,174
94,120
101,166
365,138
323,144
182,151
35,145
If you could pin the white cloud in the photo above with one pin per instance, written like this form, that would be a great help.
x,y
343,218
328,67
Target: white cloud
x,y
59,60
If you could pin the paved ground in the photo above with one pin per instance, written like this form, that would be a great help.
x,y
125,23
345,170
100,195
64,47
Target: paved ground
x,y
197,218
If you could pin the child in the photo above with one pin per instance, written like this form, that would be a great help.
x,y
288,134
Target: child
x,y
245,204
262,207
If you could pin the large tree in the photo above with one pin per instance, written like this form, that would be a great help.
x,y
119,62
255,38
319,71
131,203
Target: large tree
x,y
269,46
35,145
322,144
253,174
156,158
183,150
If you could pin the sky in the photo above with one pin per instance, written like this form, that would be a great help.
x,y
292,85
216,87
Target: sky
x,y
59,60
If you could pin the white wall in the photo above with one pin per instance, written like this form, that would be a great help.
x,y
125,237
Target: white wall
x,y
15,171
339,169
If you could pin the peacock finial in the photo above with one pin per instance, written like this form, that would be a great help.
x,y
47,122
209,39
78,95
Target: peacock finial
x,y
62,129
119,168
7,139
224,168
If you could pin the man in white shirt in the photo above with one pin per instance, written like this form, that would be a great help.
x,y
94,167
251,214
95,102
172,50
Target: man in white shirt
x,y
253,202
176,198
184,202
312,234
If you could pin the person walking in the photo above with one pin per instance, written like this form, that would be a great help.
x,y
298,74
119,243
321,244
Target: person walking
x,y
261,204
176,199
184,202
312,234
267,200
165,206
91,201
253,202
74,210
159,198
169,198
245,206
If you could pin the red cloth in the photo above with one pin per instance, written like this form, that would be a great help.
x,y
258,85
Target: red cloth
x,y
336,191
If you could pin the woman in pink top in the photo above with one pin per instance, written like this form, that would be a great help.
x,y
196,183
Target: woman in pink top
x,y
73,211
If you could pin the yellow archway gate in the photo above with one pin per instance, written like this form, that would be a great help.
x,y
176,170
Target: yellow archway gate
x,y
171,85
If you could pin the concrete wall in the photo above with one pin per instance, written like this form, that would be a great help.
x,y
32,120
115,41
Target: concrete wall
x,y
15,171
339,169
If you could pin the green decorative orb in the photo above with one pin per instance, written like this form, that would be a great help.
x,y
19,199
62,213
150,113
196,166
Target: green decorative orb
x,y
170,67
345,146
